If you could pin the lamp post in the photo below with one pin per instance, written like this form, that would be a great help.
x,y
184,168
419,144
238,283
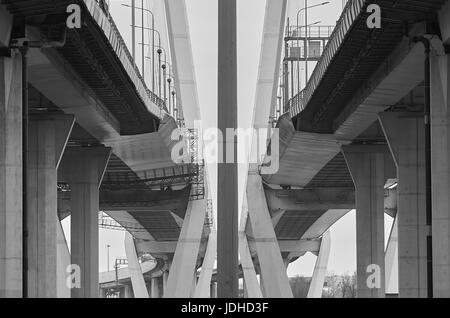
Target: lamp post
x,y
107,249
169,80
159,63
153,41
175,110
164,67
133,30
306,32
153,30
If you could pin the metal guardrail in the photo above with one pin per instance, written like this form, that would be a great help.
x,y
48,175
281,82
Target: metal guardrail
x,y
350,13
314,31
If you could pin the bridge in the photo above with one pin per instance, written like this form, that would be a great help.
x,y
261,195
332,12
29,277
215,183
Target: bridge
x,y
96,138
367,132
84,131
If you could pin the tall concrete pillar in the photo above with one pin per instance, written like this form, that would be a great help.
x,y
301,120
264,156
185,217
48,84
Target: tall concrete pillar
x,y
405,133
369,166
183,267
10,176
273,270
83,169
440,172
48,136
227,201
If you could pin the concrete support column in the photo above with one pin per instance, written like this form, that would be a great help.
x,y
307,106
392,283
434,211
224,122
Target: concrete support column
x,y
128,291
102,293
83,169
320,269
213,290
183,267
165,276
273,270
440,172
405,133
48,136
369,166
202,290
10,176
155,288
137,277
248,268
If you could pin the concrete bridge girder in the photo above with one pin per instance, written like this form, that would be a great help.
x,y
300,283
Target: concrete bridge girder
x,y
311,199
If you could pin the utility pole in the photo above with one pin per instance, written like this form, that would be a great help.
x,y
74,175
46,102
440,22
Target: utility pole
x,y
227,227
306,42
107,249
143,41
133,30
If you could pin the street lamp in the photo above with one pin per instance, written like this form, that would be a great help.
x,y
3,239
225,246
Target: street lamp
x,y
174,105
107,248
153,42
154,31
164,67
306,31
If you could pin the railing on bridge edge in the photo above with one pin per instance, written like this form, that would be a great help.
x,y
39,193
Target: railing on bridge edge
x,y
107,24
314,31
351,11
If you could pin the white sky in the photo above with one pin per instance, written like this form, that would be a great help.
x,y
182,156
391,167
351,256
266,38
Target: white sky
x,y
203,26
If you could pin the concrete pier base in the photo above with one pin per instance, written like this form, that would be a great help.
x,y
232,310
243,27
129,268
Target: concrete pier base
x,y
405,133
273,270
155,292
48,136
202,290
370,167
183,267
137,278
320,269
83,169
128,292
252,289
10,176
440,166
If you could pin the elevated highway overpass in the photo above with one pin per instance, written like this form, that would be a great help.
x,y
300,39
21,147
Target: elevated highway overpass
x,y
94,137
358,129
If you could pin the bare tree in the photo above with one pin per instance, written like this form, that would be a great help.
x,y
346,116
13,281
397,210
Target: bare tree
x,y
340,286
348,285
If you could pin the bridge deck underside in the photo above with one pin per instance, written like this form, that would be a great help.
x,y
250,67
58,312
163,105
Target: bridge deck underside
x,y
294,224
334,174
90,54
160,224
